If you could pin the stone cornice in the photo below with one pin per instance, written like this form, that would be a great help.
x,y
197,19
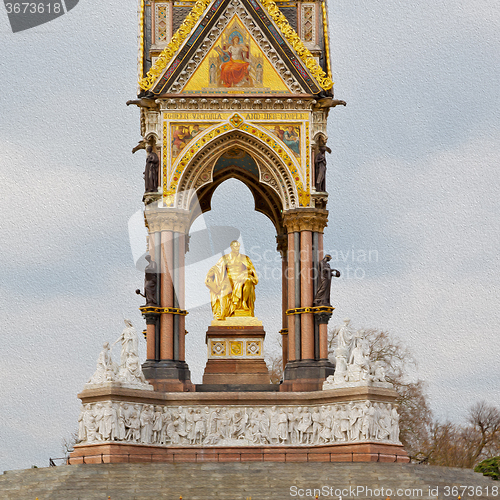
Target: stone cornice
x,y
305,219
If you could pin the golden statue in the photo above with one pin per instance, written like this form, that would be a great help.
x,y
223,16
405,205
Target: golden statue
x,y
232,285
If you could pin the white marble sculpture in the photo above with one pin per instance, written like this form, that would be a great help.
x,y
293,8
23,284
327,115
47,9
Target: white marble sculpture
x,y
106,370
353,366
353,422
129,372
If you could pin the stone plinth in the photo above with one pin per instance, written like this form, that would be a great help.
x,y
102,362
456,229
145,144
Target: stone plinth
x,y
352,424
129,453
236,352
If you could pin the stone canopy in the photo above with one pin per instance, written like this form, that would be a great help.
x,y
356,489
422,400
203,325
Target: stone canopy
x,y
266,32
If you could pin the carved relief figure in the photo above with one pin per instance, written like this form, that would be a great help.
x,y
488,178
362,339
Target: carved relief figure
x,y
106,370
232,285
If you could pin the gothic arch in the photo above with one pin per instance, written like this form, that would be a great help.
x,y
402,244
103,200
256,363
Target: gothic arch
x,y
275,183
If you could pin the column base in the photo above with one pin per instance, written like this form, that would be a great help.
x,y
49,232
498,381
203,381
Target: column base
x,y
168,375
306,375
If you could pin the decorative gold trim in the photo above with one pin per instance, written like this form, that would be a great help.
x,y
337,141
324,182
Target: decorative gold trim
x,y
236,120
326,39
308,310
169,189
199,8
217,343
236,348
163,310
141,42
297,44
257,344
305,194
173,46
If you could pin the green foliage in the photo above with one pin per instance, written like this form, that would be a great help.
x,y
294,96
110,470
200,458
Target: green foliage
x,y
489,467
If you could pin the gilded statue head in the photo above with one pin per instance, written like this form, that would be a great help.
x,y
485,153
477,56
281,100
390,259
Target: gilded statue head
x,y
235,246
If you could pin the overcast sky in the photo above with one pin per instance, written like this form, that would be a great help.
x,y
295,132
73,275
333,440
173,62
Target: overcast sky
x,y
412,178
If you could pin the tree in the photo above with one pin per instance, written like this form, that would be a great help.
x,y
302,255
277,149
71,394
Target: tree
x,y
456,445
485,432
275,367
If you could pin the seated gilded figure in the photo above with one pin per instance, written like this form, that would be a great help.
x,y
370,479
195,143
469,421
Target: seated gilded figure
x,y
232,285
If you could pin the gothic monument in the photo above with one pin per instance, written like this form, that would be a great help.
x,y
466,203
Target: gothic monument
x,y
236,89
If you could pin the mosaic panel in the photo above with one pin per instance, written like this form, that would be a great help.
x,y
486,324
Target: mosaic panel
x,y
287,133
308,23
235,65
161,23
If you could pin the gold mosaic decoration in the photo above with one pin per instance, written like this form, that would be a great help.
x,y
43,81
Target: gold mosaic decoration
x,y
141,41
236,347
276,15
297,44
218,348
173,46
327,41
169,190
236,120
305,197
254,348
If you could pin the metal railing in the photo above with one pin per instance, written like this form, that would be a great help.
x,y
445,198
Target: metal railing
x,y
187,456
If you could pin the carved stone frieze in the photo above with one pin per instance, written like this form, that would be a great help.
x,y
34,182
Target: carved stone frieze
x,y
164,425
305,219
243,103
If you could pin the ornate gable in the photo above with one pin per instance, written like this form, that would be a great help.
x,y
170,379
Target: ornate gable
x,y
278,60
255,72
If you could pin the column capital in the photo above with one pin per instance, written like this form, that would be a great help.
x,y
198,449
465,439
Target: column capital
x,y
167,219
305,219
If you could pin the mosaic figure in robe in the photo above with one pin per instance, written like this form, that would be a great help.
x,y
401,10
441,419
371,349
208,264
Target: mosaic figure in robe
x,y
235,67
232,285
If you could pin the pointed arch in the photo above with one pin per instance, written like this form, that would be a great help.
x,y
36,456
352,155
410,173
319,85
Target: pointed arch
x,y
274,190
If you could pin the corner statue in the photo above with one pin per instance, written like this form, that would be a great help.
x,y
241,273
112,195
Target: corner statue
x,y
232,285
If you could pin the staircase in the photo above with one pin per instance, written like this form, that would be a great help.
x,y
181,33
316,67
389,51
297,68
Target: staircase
x,y
241,481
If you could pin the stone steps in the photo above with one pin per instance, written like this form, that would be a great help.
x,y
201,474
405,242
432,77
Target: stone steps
x,y
235,481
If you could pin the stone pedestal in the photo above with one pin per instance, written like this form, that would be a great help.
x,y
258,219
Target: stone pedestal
x,y
119,424
236,352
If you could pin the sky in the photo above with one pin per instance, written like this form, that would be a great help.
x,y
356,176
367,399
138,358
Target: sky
x,y
412,179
